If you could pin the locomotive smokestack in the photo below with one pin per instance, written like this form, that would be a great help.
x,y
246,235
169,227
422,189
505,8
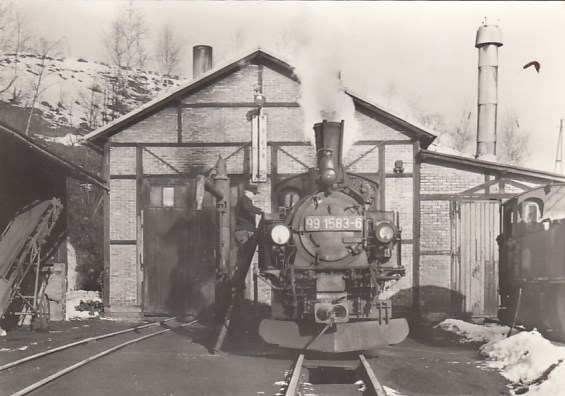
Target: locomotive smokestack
x,y
489,38
329,147
201,59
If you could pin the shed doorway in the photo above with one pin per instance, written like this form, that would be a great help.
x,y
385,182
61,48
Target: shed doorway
x,y
474,265
178,249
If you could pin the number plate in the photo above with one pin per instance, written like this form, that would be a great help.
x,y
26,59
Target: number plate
x,y
333,223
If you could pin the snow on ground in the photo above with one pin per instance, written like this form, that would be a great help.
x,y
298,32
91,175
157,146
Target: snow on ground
x,y
73,90
73,299
391,392
528,358
533,364
473,332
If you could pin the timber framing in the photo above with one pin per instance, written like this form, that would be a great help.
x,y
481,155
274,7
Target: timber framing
x,y
416,230
106,227
237,104
294,143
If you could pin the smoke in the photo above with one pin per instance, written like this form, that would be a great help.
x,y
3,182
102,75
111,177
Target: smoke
x,y
318,60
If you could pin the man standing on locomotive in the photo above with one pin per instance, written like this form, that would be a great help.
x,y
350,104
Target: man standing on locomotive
x,y
245,229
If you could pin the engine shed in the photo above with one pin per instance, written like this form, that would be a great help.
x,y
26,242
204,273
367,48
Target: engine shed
x,y
160,251
31,173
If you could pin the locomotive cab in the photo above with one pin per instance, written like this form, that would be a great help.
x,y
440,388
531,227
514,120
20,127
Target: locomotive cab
x,y
532,269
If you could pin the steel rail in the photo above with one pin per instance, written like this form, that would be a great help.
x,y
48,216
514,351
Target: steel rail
x,y
67,370
76,343
293,383
372,385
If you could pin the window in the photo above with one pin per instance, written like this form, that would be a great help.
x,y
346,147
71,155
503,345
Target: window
x,y
162,196
290,198
168,196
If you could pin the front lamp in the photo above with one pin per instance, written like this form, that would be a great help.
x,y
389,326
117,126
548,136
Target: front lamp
x,y
280,234
385,232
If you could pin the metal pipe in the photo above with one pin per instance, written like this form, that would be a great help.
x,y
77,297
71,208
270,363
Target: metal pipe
x,y
201,59
488,39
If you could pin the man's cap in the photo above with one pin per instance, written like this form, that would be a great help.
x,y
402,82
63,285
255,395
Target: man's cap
x,y
252,188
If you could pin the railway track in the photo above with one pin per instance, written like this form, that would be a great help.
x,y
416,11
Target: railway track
x,y
58,364
339,377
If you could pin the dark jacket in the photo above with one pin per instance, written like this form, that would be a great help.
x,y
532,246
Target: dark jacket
x,y
245,213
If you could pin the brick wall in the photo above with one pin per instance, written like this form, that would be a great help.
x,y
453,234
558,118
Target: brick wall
x,y
436,226
123,276
435,265
158,128
399,197
191,160
122,209
378,128
442,179
362,159
225,124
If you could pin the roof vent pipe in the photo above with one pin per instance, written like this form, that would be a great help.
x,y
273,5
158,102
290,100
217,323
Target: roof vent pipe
x,y
201,59
489,38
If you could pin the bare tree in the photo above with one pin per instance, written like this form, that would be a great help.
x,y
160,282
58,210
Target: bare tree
x,y
125,43
45,52
14,39
126,50
91,101
512,143
169,52
461,134
6,10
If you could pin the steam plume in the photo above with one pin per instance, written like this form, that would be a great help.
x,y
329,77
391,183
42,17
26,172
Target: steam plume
x,y
318,64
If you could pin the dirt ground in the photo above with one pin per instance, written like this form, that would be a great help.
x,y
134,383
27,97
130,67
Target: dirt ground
x,y
180,362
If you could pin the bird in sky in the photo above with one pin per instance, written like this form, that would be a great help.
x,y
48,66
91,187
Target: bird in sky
x,y
535,64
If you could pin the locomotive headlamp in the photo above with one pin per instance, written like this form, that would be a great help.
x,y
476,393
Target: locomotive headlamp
x,y
280,234
328,176
385,232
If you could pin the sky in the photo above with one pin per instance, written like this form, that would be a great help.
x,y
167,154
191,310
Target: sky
x,y
412,57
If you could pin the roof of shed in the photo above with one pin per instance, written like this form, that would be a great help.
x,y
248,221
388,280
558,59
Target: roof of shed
x,y
425,135
69,168
430,156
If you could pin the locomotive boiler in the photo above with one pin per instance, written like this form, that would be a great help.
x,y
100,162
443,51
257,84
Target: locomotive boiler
x,y
329,258
532,260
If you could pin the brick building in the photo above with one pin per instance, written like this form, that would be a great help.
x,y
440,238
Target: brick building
x,y
153,155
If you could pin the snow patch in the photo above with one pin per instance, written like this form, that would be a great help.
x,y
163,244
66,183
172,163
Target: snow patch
x,y
535,365
524,357
391,392
70,139
77,93
73,299
474,333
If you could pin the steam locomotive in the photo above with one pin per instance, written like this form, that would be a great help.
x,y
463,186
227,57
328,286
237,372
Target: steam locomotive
x,y
532,260
328,257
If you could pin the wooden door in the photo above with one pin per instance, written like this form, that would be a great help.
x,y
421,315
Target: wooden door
x,y
178,249
474,275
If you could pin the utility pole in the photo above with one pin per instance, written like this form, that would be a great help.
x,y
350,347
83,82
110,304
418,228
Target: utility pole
x,y
559,155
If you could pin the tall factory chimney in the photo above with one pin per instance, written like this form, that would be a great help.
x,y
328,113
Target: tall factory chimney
x,y
201,59
489,38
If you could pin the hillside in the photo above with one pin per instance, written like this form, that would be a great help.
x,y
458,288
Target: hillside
x,y
75,96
